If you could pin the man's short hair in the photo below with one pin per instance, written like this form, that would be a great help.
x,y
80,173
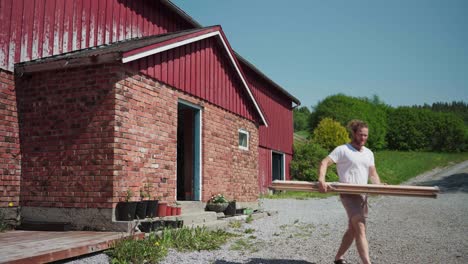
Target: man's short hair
x,y
355,125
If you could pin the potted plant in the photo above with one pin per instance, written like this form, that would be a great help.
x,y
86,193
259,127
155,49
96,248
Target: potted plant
x,y
231,209
142,205
217,203
162,207
152,207
178,208
126,210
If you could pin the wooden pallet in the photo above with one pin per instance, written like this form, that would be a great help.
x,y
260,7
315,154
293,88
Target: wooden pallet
x,y
394,190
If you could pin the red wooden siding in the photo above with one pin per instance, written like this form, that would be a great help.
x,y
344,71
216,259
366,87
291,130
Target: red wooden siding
x,y
31,29
278,113
200,69
264,169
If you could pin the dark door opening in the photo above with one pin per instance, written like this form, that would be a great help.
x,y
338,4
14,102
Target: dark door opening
x,y
188,184
277,166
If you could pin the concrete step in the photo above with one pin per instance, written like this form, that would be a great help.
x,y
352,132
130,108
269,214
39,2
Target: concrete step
x,y
189,207
195,217
213,225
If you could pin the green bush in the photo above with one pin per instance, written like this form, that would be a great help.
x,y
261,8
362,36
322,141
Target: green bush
x,y
330,134
420,129
304,166
344,108
409,129
449,133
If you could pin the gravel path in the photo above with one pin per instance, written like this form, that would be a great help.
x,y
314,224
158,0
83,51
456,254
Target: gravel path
x,y
400,229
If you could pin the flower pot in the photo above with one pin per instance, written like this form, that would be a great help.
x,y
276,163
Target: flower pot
x,y
141,209
146,227
125,211
179,211
168,210
152,208
217,207
162,209
173,210
231,209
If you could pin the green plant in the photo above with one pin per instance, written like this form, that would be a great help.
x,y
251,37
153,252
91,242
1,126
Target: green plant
x,y
330,134
186,239
149,250
249,230
249,219
128,195
235,224
218,198
304,165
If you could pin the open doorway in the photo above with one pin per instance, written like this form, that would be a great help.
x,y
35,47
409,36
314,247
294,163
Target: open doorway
x,y
188,152
277,161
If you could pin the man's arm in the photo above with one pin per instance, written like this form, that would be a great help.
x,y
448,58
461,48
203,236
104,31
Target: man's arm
x,y
323,186
374,176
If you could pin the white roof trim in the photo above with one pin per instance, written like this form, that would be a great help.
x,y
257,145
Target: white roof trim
x,y
191,40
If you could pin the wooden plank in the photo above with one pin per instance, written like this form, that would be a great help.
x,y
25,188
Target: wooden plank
x,y
395,190
42,247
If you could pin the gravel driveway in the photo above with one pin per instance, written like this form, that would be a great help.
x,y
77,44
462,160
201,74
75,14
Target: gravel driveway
x,y
400,229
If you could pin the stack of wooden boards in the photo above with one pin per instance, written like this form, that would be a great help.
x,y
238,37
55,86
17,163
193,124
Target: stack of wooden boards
x,y
395,190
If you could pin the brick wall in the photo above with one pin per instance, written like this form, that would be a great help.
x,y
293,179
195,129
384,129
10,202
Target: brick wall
x,y
10,158
90,134
66,130
146,143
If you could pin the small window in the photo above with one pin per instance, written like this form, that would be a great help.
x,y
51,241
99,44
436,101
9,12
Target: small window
x,y
243,139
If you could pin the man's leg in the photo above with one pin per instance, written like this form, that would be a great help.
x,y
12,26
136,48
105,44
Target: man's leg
x,y
360,235
346,242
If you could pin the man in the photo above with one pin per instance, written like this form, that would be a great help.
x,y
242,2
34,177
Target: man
x,y
355,164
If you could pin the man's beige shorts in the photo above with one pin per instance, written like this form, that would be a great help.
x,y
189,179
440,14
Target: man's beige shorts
x,y
355,204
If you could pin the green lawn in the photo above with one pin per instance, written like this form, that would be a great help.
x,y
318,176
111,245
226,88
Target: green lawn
x,y
394,167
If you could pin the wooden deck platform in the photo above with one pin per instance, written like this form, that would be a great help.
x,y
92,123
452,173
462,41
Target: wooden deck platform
x,y
46,246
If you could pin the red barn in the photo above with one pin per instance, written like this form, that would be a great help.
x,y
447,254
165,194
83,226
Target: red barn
x,y
101,97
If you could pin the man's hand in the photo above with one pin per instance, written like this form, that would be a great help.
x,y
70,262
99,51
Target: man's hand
x,y
323,186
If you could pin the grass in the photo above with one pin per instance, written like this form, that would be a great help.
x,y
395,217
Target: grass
x,y
395,167
246,244
303,133
154,248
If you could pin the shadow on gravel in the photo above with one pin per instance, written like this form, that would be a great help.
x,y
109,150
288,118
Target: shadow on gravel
x,y
453,183
267,261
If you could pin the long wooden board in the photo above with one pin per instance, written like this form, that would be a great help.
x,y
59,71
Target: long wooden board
x,y
394,190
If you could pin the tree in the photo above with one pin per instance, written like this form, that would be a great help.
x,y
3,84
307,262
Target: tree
x,y
343,109
301,118
330,134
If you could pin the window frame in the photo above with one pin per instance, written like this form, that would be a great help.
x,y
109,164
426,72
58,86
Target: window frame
x,y
245,132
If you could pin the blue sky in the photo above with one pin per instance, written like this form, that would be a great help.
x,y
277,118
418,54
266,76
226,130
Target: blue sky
x,y
406,52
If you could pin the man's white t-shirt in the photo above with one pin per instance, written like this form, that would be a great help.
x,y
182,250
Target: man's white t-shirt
x,y
352,165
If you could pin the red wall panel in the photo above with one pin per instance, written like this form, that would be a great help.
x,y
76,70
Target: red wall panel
x,y
200,69
278,113
32,29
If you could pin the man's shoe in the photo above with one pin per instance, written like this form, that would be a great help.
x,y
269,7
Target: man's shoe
x,y
341,261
